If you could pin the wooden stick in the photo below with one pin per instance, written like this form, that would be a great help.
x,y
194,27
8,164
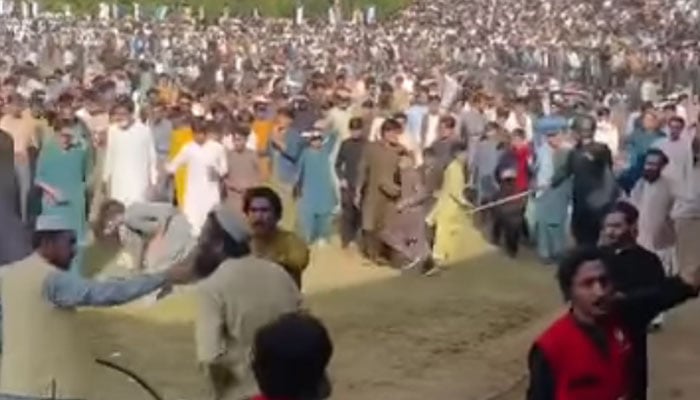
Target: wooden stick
x,y
499,202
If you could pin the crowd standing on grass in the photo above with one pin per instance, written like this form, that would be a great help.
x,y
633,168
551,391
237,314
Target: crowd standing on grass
x,y
171,151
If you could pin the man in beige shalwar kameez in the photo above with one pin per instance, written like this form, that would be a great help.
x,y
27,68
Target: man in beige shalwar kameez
x,y
238,294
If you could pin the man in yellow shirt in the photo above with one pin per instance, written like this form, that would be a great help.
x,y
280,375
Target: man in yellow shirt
x,y
263,208
182,135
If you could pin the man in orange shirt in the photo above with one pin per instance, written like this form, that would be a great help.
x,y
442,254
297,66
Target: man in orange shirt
x,y
261,129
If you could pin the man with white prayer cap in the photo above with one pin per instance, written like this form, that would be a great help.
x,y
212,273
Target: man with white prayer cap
x,y
45,353
238,294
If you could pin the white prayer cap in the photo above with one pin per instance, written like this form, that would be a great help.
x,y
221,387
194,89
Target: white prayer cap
x,y
232,224
52,223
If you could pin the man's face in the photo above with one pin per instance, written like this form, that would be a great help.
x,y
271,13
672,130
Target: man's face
x,y
392,136
261,216
121,117
284,122
553,140
200,137
653,165
158,113
591,290
650,122
239,142
344,103
445,131
616,231
61,250
675,129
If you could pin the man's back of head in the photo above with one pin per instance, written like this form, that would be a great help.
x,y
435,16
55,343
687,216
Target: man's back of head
x,y
290,358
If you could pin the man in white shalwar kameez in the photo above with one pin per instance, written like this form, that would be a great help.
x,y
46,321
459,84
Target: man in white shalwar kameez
x,y
206,165
130,169
654,197
678,147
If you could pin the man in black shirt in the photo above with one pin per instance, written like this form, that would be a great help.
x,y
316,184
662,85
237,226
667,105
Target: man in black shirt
x,y
632,268
563,361
15,243
594,186
346,167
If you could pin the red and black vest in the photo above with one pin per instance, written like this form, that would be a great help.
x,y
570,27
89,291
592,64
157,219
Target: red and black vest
x,y
581,371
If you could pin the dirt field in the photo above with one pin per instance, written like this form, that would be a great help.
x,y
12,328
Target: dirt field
x,y
462,335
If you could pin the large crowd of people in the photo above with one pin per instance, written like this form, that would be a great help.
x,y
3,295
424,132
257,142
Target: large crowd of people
x,y
173,151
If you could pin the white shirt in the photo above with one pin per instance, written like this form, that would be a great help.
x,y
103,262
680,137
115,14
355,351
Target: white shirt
x,y
654,202
608,134
680,158
687,204
130,163
512,124
206,165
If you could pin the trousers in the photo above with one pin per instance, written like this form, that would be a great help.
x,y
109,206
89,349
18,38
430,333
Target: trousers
x,y
24,186
315,226
551,240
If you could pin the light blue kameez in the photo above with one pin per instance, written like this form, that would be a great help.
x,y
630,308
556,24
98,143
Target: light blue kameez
x,y
67,171
318,197
551,205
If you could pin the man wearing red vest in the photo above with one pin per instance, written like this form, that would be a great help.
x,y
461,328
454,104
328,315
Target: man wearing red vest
x,y
586,354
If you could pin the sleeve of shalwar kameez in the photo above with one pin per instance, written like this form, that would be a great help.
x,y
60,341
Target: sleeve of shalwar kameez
x,y
209,327
541,385
210,343
67,290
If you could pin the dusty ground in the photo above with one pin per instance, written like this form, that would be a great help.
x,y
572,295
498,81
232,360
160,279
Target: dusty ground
x,y
462,335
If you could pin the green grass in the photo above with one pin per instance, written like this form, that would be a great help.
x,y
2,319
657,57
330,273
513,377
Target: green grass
x,y
269,8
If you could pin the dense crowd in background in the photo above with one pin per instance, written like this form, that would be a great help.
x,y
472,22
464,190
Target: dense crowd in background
x,y
542,123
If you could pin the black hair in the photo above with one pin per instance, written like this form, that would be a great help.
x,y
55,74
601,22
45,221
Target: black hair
x,y
264,192
628,210
448,121
108,210
41,237
290,356
458,147
657,152
199,125
286,111
519,132
390,125
572,261
125,103
356,123
215,246
603,112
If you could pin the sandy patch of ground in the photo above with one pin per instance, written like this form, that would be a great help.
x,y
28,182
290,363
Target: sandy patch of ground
x,y
462,335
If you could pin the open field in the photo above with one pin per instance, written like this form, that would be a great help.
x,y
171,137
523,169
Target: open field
x,y
463,335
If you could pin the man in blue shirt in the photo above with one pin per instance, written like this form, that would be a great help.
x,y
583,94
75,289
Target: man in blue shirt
x,y
284,149
40,285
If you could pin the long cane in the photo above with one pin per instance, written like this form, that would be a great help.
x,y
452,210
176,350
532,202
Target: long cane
x,y
500,202
140,381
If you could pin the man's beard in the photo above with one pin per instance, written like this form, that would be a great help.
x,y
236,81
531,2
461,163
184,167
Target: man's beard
x,y
651,177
